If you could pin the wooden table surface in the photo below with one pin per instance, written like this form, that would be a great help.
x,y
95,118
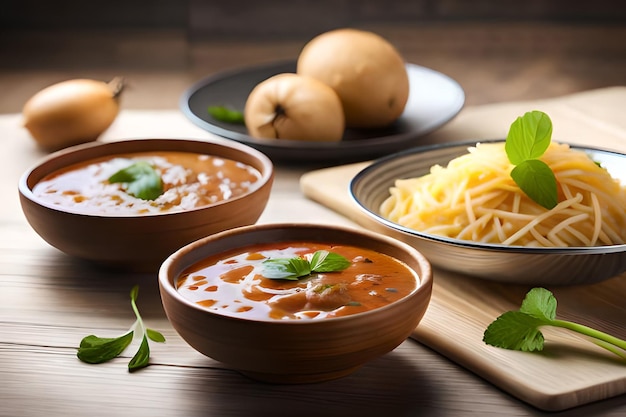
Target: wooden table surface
x,y
49,301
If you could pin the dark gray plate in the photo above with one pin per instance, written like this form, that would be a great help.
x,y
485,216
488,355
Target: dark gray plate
x,y
434,99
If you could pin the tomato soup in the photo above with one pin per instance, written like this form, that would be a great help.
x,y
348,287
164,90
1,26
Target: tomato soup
x,y
189,180
234,283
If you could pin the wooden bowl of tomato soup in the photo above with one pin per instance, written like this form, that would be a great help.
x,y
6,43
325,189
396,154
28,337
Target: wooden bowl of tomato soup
x,y
131,203
295,303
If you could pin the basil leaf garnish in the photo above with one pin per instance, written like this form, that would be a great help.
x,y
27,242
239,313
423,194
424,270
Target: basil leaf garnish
x,y
141,180
528,138
324,261
537,180
298,267
286,268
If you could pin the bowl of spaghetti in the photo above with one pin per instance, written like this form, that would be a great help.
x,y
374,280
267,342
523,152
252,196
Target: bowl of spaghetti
x,y
459,206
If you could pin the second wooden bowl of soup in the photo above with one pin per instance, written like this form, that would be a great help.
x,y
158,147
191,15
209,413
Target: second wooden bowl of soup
x,y
168,192
295,303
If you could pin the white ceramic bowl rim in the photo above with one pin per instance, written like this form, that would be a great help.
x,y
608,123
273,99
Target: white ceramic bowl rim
x,y
28,192
168,285
381,162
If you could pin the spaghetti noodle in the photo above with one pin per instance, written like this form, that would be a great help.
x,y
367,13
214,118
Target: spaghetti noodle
x,y
474,198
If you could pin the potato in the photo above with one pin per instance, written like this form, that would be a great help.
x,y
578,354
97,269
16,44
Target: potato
x,y
365,70
294,107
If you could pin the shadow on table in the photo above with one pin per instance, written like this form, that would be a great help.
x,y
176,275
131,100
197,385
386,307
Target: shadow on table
x,y
389,386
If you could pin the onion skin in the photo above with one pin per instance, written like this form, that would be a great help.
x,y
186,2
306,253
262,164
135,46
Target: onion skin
x,y
71,112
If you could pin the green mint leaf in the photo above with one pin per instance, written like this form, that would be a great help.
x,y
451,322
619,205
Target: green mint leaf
x,y
226,114
536,179
529,136
142,357
539,303
94,349
141,180
286,268
155,336
516,331
324,261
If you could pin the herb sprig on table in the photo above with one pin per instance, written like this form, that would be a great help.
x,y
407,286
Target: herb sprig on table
x,y
141,180
299,267
519,330
528,138
94,349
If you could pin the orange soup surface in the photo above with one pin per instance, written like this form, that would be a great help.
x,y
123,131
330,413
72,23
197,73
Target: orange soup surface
x,y
233,283
189,179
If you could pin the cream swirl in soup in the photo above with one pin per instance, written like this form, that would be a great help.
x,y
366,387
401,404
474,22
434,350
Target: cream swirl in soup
x,y
189,180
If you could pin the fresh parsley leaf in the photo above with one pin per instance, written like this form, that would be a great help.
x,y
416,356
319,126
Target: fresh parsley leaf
x,y
539,303
94,349
536,179
226,114
528,138
520,330
141,180
515,330
298,267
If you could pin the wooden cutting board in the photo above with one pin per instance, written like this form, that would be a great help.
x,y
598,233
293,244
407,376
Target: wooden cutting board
x,y
570,371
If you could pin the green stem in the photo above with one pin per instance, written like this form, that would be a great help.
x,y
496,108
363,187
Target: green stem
x,y
593,333
611,348
139,321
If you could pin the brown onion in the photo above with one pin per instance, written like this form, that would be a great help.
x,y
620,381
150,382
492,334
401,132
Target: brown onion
x,y
72,112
